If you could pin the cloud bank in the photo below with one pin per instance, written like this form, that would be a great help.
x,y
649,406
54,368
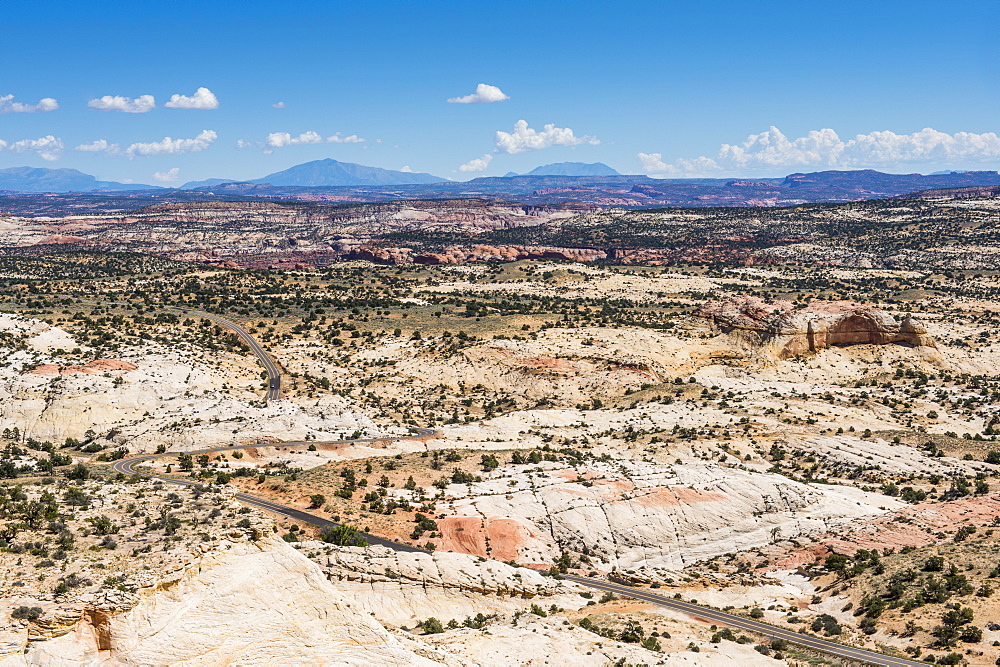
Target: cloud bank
x,y
484,94
169,146
203,98
281,139
524,138
8,105
99,146
47,147
168,176
141,104
824,149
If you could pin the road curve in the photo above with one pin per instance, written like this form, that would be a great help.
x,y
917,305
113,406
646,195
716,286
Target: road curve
x,y
127,466
273,374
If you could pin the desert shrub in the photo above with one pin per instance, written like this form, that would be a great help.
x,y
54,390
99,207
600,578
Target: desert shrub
x,y
343,536
27,613
432,626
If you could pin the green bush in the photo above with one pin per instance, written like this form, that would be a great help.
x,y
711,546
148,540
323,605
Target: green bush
x,y
343,536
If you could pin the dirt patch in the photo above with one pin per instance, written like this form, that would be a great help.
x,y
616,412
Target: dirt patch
x,y
916,526
96,366
676,496
497,538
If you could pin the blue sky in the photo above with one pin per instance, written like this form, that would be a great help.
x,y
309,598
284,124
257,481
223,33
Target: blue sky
x,y
646,87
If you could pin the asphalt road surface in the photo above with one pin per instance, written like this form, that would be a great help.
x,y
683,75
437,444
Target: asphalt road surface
x,y
721,617
273,374
127,467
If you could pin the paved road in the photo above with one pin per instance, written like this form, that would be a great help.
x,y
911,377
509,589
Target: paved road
x,y
273,374
742,623
127,466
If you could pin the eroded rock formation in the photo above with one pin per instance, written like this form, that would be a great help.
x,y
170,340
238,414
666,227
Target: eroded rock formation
x,y
630,514
246,601
789,331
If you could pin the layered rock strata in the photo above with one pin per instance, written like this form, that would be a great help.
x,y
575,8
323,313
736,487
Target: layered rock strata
x,y
788,331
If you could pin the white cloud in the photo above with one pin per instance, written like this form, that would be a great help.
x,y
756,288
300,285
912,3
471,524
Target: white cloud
x,y
203,98
524,138
406,170
168,146
338,138
99,146
824,149
8,105
279,105
48,147
652,163
243,143
168,176
279,139
479,164
484,94
141,104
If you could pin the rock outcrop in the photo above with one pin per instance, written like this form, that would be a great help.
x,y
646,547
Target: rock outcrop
x,y
132,401
789,331
390,254
630,514
399,588
245,602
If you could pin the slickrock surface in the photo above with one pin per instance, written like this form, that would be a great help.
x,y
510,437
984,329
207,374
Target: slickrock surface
x,y
399,588
153,395
245,602
95,366
789,332
911,526
632,514
547,641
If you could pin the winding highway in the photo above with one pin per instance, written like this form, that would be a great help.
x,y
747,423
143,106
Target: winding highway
x,y
273,373
775,632
127,466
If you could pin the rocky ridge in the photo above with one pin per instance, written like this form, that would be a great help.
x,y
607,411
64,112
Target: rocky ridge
x,y
633,514
247,601
787,331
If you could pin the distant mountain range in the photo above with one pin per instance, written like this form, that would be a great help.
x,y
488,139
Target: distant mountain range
x,y
328,173
594,185
207,183
39,179
319,173
573,169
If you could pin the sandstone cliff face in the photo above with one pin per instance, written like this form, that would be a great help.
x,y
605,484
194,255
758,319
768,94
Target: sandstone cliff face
x,y
399,588
788,332
246,602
